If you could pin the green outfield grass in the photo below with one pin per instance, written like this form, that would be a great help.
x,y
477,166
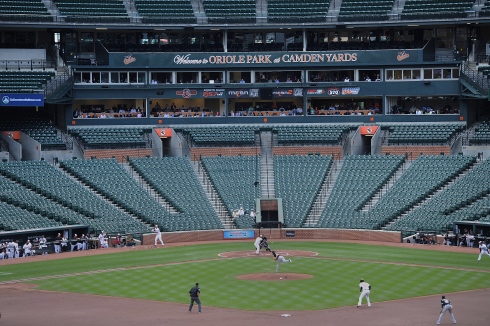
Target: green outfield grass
x,y
167,275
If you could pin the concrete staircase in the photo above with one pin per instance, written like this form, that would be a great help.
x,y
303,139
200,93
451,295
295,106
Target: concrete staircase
x,y
266,166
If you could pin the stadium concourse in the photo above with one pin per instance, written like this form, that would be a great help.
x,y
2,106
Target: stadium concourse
x,y
55,308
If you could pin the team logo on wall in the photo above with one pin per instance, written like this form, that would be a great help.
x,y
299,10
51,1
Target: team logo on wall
x,y
129,59
298,92
333,91
186,93
402,55
5,100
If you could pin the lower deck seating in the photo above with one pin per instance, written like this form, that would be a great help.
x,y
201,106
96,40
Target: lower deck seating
x,y
54,185
174,179
297,180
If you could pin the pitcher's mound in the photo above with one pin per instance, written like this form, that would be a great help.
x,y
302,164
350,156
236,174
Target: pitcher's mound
x,y
274,277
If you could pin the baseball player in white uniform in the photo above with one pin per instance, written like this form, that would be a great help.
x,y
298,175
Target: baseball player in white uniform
x,y
365,289
158,236
257,242
280,259
483,249
446,306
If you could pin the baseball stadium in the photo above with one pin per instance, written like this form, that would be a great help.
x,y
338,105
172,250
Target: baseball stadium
x,y
273,152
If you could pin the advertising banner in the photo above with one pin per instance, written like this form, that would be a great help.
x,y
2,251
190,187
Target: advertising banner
x,y
238,234
22,100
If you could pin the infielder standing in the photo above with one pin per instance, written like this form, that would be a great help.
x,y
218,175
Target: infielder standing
x,y
158,236
365,289
280,259
195,294
446,306
483,249
257,242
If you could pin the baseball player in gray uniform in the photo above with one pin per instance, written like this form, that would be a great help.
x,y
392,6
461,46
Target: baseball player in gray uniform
x,y
280,259
483,249
446,306
365,289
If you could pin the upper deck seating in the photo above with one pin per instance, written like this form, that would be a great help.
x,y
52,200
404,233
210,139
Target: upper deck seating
x,y
312,134
97,138
223,11
365,10
429,9
294,11
93,11
15,81
482,134
418,134
25,10
166,11
222,135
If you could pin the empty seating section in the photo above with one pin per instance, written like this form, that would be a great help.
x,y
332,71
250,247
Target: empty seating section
x,y
410,134
12,81
25,10
166,11
52,184
297,180
224,11
47,213
485,10
108,177
98,138
221,136
310,135
481,135
174,179
365,10
423,9
425,176
92,11
360,178
234,178
293,11
462,200
33,126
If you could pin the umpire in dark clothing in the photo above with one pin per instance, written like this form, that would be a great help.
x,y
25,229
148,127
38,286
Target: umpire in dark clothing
x,y
195,292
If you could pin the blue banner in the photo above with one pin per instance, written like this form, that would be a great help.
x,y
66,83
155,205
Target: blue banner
x,y
239,234
22,100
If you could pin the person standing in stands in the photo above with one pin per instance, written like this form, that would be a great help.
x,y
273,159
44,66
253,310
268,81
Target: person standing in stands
x,y
158,236
195,294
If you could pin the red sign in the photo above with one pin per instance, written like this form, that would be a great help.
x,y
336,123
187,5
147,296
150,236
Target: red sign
x,y
368,130
186,93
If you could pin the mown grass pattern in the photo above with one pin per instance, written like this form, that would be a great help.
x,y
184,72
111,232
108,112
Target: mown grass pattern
x,y
168,274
